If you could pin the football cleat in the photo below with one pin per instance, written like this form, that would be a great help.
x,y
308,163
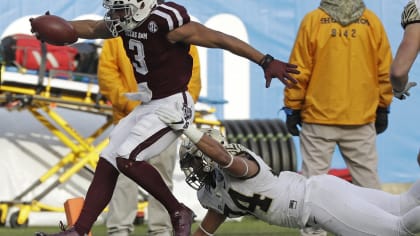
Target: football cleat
x,y
65,232
182,220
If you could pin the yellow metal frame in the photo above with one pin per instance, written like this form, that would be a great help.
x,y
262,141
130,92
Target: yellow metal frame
x,y
82,153
82,150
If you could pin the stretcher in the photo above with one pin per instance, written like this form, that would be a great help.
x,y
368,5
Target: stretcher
x,y
40,95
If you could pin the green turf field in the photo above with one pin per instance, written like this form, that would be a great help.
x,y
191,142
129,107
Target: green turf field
x,y
248,226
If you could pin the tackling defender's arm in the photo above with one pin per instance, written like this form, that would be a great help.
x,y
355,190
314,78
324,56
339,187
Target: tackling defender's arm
x,y
212,220
238,166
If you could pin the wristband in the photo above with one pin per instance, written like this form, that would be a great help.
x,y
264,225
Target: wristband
x,y
246,168
266,60
193,134
230,162
205,231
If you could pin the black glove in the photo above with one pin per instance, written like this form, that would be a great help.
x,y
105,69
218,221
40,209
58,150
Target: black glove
x,y
293,119
381,122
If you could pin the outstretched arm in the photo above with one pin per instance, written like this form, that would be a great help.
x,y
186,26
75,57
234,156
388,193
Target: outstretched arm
x,y
198,34
91,29
237,166
404,59
212,220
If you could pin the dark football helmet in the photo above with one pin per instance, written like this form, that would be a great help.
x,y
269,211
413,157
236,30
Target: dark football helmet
x,y
125,15
196,166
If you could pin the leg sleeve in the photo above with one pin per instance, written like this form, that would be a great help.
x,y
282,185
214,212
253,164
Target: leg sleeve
x,y
122,207
159,223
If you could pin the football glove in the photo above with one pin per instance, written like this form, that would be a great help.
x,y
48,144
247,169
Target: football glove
x,y
405,92
277,69
381,122
293,119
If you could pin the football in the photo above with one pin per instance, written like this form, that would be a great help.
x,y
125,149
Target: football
x,y
53,30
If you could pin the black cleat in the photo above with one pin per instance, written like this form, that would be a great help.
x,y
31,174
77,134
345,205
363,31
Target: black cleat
x,y
69,232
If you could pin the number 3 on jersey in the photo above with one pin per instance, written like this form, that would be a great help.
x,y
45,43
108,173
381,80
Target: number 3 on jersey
x,y
139,64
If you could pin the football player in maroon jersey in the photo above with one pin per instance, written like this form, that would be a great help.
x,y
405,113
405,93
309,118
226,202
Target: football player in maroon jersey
x,y
156,38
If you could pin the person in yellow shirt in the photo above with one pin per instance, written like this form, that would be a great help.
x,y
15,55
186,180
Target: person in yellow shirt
x,y
343,91
116,77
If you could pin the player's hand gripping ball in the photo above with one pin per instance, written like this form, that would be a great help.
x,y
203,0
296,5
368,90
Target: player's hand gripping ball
x,y
53,30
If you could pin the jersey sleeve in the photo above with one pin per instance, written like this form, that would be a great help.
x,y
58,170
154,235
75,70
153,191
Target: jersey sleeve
x,y
173,15
410,14
207,200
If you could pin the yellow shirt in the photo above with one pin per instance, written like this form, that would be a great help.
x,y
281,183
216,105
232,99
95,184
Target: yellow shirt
x,y
344,70
116,77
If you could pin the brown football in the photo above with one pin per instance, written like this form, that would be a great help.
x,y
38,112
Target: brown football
x,y
53,30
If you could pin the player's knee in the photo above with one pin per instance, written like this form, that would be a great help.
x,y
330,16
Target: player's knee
x,y
124,164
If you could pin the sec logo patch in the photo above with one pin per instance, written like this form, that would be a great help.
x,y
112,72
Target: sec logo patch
x,y
153,27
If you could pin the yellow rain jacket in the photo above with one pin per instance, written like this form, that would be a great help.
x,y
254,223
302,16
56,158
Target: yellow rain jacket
x,y
116,77
344,70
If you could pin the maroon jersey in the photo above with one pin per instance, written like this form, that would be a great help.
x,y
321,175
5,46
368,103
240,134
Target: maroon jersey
x,y
165,66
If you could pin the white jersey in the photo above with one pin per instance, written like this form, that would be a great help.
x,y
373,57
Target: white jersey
x,y
275,199
324,201
411,13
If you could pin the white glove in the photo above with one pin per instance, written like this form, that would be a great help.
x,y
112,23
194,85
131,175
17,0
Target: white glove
x,y
144,94
176,120
405,92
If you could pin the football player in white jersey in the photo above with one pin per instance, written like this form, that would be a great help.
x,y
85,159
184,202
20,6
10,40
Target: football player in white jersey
x,y
233,181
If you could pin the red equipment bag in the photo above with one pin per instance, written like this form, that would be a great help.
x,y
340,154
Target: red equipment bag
x,y
341,173
25,51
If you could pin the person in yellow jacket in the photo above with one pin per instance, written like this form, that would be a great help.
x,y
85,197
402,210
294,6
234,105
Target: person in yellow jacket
x,y
343,91
116,77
